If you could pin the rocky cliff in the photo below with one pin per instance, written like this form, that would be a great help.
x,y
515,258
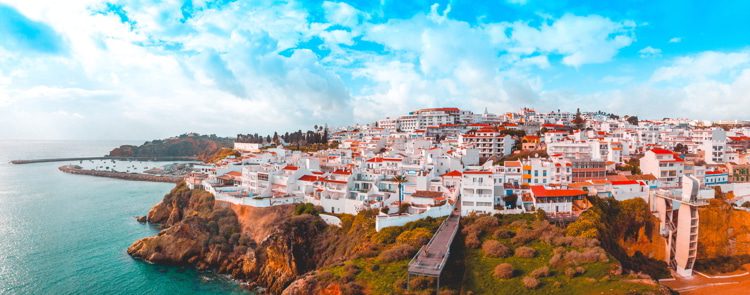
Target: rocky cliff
x,y
723,231
267,247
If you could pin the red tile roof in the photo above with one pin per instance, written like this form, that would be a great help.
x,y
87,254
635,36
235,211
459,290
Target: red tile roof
x,y
660,151
427,194
452,173
540,192
623,182
310,178
512,164
291,167
714,172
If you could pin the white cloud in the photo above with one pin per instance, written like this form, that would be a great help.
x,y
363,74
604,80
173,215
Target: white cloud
x,y
675,40
341,13
228,76
648,52
708,85
703,65
518,2
579,39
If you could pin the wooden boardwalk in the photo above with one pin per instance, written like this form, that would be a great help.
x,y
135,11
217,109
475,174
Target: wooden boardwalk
x,y
430,259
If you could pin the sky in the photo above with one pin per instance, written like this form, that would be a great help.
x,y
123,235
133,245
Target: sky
x,y
143,69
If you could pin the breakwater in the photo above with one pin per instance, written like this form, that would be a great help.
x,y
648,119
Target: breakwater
x,y
72,169
32,161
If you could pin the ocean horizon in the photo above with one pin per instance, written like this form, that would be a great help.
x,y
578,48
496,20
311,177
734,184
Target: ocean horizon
x,y
68,234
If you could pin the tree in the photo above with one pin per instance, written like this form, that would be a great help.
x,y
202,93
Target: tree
x,y
633,120
399,180
681,148
510,200
579,121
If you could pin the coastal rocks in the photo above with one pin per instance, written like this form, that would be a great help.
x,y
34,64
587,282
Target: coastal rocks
x,y
208,235
181,202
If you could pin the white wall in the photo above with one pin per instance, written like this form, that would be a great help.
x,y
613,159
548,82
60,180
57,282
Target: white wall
x,y
383,221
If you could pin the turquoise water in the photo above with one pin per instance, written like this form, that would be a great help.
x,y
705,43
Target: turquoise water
x,y
68,234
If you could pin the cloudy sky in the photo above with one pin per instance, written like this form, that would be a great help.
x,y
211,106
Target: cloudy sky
x,y
141,69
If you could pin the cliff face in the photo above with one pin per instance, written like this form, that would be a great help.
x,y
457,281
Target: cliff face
x,y
215,236
723,231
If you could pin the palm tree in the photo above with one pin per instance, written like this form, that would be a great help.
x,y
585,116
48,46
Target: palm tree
x,y
399,180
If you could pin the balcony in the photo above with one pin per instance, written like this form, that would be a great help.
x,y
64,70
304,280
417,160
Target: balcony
x,y
477,195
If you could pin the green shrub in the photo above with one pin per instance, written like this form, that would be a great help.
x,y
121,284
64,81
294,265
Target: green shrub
x,y
525,252
530,282
416,237
503,271
540,272
398,252
493,248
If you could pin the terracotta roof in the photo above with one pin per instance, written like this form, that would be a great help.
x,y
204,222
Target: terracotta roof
x,y
291,167
234,173
452,173
715,172
427,194
660,151
310,178
648,177
341,172
624,182
540,192
512,164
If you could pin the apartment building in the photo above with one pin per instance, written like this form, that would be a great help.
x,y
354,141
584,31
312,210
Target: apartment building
x,y
667,166
488,141
477,192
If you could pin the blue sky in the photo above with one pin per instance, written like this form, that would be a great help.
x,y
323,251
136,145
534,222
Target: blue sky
x,y
139,69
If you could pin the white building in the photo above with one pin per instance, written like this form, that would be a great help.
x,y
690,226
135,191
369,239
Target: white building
x,y
488,141
477,192
665,165
715,148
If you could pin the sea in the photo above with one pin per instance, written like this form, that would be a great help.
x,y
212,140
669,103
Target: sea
x,y
68,234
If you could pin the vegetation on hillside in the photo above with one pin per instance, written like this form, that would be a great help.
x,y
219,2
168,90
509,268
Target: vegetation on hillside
x,y
220,155
522,254
186,145
319,135
379,261
620,224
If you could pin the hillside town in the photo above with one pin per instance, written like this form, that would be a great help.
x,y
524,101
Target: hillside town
x,y
441,161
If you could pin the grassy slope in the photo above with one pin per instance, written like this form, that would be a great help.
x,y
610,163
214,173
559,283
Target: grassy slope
x,y
478,276
470,270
